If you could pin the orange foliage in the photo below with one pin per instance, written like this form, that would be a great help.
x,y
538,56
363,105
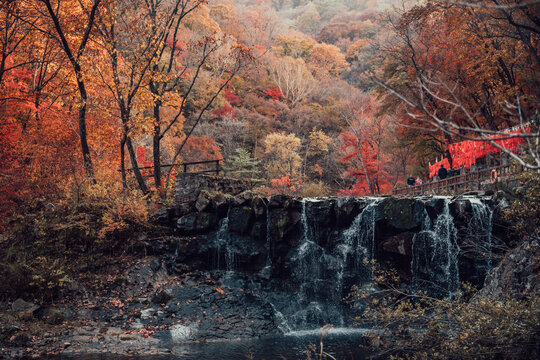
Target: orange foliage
x,y
201,148
362,151
275,94
285,185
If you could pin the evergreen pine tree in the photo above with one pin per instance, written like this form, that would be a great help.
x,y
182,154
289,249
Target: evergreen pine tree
x,y
242,164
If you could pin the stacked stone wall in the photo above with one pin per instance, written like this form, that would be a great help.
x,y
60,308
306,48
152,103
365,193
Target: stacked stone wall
x,y
189,186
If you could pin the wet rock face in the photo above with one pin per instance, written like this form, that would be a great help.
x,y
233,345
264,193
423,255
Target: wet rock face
x,y
518,273
240,219
197,223
253,232
402,214
400,244
304,255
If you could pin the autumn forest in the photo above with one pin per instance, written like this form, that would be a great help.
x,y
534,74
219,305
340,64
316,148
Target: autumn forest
x,y
309,97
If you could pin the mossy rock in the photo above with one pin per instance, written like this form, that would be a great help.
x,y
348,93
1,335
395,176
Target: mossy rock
x,y
241,219
56,317
402,214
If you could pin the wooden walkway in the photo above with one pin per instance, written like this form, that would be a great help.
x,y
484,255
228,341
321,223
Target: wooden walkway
x,y
461,183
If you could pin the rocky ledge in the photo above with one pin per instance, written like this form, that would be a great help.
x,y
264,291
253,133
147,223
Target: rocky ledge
x,y
258,231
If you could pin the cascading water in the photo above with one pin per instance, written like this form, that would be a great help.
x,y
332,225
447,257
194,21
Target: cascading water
x,y
223,240
435,251
321,274
315,284
480,230
306,284
222,236
358,246
359,239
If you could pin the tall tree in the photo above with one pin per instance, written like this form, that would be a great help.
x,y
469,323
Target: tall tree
x,y
134,35
56,11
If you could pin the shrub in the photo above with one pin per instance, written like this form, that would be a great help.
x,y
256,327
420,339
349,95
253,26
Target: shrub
x,y
416,326
524,213
317,189
47,239
286,185
111,209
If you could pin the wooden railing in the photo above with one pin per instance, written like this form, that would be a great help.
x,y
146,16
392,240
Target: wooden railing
x,y
185,167
216,170
460,183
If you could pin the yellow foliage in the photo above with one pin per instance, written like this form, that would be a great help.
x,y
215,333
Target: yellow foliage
x,y
115,207
317,189
327,60
294,47
318,141
201,22
281,152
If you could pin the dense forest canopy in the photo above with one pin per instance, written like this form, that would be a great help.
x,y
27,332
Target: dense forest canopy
x,y
310,97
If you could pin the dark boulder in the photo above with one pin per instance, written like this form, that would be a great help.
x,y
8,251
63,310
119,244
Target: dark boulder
x,y
320,220
242,199
240,219
283,223
434,207
461,211
24,308
345,210
517,275
402,214
161,297
197,223
161,217
182,209
279,201
204,200
400,244
220,204
260,206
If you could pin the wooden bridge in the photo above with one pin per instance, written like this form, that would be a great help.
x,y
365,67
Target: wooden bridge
x,y
475,180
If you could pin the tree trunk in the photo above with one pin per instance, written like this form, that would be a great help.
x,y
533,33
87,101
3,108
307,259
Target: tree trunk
x,y
135,166
84,142
131,152
123,161
74,59
157,146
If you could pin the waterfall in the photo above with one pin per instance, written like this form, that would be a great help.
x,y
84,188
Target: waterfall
x,y
223,240
480,230
321,273
314,267
308,264
358,244
359,238
435,251
309,261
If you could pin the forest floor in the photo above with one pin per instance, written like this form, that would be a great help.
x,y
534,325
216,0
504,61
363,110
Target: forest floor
x,y
133,307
